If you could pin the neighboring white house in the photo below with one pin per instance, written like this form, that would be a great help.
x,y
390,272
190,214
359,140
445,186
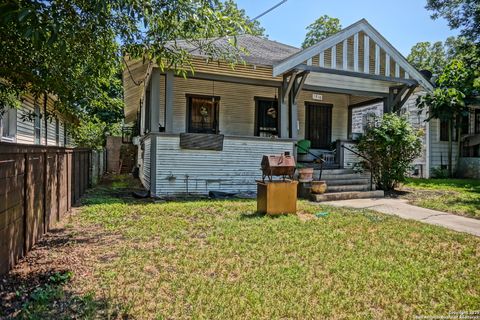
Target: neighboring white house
x,y
14,128
209,130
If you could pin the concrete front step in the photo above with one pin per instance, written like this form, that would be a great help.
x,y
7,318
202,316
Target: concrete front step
x,y
347,195
348,176
336,171
343,182
346,188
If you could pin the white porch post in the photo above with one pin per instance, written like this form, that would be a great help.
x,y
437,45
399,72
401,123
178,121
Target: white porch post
x,y
169,78
293,115
283,113
154,118
154,115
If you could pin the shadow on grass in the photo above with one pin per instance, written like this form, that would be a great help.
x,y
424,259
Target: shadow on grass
x,y
45,295
254,215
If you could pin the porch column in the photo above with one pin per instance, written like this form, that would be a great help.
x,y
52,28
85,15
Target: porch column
x,y
283,114
169,77
293,115
154,107
154,118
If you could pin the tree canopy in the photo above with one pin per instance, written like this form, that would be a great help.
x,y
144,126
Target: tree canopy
x,y
322,28
73,49
460,14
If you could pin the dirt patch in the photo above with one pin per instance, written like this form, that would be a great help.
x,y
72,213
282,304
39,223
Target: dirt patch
x,y
413,194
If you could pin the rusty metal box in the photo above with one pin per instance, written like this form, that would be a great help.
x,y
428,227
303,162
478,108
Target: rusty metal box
x,y
277,197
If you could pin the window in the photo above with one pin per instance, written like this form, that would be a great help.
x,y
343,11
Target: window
x,y
444,128
57,131
477,120
8,125
37,124
266,117
202,114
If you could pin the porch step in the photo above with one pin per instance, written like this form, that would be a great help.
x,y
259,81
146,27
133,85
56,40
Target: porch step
x,y
334,196
342,182
347,188
347,176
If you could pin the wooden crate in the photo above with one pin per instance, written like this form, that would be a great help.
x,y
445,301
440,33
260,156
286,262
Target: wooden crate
x,y
277,197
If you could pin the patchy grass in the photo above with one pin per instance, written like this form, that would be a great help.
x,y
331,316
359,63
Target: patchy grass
x,y
459,196
221,260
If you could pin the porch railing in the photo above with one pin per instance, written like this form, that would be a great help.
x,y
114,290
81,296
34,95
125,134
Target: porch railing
x,y
343,147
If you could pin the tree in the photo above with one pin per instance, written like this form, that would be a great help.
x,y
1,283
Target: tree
x,y
460,14
428,56
391,146
322,28
447,102
75,49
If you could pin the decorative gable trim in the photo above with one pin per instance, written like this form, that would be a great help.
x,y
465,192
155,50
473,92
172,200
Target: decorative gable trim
x,y
387,61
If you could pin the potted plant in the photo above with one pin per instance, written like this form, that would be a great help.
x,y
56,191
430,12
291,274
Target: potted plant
x,y
318,187
304,174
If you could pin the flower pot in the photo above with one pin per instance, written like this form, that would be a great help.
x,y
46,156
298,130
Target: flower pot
x,y
318,187
305,174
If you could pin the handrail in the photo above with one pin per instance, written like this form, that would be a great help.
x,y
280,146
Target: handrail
x,y
368,160
321,160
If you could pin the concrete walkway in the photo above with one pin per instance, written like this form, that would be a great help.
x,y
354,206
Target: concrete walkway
x,y
401,208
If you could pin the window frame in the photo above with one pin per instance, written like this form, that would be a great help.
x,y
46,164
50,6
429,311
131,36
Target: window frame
x,y
216,120
269,99
11,127
37,124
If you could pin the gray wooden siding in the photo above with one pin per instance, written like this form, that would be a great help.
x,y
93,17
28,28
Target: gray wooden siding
x,y
25,132
25,129
417,120
234,169
439,149
145,164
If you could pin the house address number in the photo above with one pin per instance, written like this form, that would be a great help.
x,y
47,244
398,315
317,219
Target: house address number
x,y
317,96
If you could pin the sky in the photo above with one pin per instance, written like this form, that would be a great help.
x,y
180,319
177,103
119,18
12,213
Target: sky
x,y
403,23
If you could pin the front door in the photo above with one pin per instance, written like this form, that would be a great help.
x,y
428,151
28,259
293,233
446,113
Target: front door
x,y
318,124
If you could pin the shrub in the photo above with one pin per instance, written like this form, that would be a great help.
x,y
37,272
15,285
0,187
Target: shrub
x,y
391,146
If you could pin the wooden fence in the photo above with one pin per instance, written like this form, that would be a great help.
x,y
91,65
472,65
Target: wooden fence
x,y
38,186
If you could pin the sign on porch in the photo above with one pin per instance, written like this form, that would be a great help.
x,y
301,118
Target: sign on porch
x,y
317,96
365,116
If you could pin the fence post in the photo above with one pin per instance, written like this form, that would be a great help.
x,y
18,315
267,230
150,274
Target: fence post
x,y
25,203
45,189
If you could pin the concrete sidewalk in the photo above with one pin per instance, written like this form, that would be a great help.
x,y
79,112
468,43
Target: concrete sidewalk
x,y
401,208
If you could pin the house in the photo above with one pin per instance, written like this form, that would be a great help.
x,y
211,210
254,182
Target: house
x,y
29,125
209,130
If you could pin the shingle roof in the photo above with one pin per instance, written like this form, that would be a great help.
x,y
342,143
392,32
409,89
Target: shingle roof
x,y
261,51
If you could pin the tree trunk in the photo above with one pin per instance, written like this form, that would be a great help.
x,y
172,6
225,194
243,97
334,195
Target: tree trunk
x,y
450,147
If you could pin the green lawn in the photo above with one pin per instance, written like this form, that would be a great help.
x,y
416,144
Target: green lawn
x,y
460,196
220,260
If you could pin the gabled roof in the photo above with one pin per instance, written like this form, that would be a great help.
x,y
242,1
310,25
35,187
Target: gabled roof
x,y
260,50
351,37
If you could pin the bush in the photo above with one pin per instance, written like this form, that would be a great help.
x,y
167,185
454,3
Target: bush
x,y
391,146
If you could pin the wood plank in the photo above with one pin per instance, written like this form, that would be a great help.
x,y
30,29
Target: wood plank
x,y
355,52
366,54
345,54
201,141
377,59
321,59
334,57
